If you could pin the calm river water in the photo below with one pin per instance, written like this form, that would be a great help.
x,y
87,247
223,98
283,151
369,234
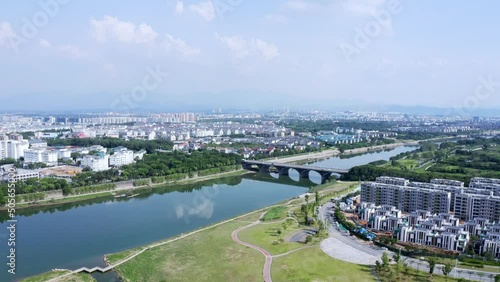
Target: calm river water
x,y
75,235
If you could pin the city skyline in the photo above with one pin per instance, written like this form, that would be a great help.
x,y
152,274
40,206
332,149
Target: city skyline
x,y
203,55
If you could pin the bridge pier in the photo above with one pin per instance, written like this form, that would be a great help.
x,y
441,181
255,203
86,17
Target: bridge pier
x,y
246,166
304,173
325,176
264,168
282,170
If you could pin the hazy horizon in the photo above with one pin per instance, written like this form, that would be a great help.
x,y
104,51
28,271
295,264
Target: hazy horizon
x,y
200,55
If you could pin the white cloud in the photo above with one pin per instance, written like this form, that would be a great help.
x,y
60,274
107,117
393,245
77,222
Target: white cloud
x,y
66,50
364,7
6,34
112,29
299,5
275,19
204,9
44,43
268,50
70,51
179,7
242,48
180,46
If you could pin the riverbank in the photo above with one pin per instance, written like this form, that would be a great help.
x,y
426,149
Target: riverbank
x,y
190,256
378,148
57,198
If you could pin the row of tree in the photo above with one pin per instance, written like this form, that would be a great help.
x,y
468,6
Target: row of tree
x,y
134,144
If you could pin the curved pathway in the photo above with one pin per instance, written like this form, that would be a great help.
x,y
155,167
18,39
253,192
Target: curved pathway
x,y
269,259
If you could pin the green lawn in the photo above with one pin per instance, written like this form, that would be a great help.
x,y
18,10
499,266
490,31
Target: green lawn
x,y
80,277
210,255
313,265
67,200
278,212
263,235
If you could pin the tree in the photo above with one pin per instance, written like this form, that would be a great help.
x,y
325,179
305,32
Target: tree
x,y
480,274
432,264
448,267
470,272
309,239
385,261
316,195
396,257
497,278
307,198
378,267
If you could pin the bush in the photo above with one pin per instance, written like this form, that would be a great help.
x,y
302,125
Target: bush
x,y
141,182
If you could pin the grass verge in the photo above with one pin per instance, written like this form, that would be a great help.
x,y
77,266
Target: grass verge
x,y
79,277
313,265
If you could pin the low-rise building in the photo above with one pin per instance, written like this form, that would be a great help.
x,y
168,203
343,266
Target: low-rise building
x,y
97,162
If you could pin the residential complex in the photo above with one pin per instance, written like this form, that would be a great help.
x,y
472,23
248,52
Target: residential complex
x,y
442,214
441,230
480,199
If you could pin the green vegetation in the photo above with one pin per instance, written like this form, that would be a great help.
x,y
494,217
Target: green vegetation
x,y
141,182
160,166
462,160
275,213
89,189
328,124
135,144
362,144
65,200
312,264
79,277
271,237
210,255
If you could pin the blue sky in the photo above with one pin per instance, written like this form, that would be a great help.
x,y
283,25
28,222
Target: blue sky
x,y
250,54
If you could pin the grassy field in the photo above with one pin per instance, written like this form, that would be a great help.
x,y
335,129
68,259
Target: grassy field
x,y
210,255
80,277
313,265
275,213
263,235
421,276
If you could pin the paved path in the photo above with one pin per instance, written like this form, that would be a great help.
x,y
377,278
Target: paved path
x,y
269,259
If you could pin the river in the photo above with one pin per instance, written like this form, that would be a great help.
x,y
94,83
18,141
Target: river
x,y
79,234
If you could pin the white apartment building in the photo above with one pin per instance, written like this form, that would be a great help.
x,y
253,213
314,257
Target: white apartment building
x,y
40,156
99,162
63,153
15,148
480,199
33,156
23,174
121,158
420,227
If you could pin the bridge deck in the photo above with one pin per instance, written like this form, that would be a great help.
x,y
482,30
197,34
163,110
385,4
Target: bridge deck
x,y
303,167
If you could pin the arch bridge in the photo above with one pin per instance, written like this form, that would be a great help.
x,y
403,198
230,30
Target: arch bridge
x,y
283,169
